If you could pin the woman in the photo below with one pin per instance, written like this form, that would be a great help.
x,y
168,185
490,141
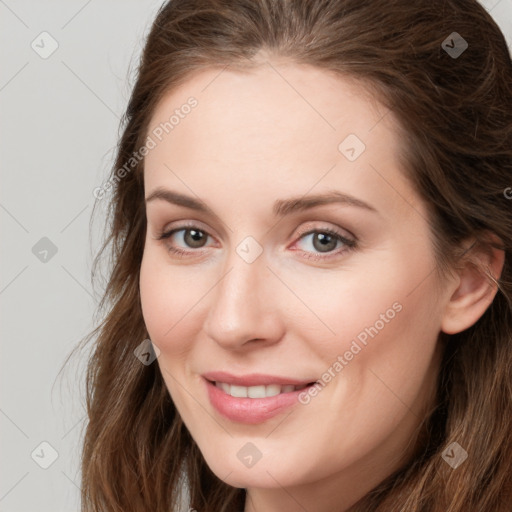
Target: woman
x,y
310,301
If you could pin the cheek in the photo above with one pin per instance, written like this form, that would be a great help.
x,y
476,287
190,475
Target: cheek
x,y
383,361
386,319
154,299
167,299
379,367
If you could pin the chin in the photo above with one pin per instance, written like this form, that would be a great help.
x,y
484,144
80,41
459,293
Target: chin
x,y
261,475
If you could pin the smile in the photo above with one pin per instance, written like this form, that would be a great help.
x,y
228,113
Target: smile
x,y
252,404
257,391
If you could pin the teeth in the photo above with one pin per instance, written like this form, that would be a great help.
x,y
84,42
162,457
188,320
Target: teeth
x,y
257,391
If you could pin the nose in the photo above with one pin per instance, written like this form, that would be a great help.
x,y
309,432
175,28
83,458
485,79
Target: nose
x,y
245,306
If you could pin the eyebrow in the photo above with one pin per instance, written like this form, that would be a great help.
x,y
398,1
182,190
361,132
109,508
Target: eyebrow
x,y
281,207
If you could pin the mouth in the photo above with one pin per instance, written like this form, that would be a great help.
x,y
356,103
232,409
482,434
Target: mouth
x,y
253,404
258,391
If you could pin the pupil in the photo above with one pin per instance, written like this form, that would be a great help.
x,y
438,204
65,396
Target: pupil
x,y
324,239
196,237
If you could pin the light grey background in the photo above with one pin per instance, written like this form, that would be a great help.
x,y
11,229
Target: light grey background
x,y
59,127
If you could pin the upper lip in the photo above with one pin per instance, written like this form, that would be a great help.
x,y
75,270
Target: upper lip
x,y
254,379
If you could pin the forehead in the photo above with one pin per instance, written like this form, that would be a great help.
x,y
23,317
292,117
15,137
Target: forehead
x,y
278,126
264,101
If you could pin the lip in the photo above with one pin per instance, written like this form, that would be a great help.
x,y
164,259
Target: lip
x,y
250,410
254,379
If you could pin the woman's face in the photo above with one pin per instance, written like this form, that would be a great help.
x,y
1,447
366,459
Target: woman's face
x,y
305,256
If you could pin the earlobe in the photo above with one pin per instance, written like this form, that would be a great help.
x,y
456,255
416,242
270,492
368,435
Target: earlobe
x,y
476,289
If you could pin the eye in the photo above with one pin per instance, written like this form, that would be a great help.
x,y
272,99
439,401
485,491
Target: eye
x,y
327,242
318,244
191,237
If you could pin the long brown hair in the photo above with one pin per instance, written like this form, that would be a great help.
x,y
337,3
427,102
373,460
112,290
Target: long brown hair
x,y
455,113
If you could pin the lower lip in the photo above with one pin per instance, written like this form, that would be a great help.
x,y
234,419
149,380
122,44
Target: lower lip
x,y
250,410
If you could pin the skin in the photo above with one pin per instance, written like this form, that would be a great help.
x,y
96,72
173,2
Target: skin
x,y
254,138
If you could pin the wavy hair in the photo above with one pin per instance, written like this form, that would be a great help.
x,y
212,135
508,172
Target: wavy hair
x,y
455,116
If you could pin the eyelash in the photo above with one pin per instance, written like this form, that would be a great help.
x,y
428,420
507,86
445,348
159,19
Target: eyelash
x,y
350,244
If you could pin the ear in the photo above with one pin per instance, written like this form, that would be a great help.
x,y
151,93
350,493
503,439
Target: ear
x,y
476,287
